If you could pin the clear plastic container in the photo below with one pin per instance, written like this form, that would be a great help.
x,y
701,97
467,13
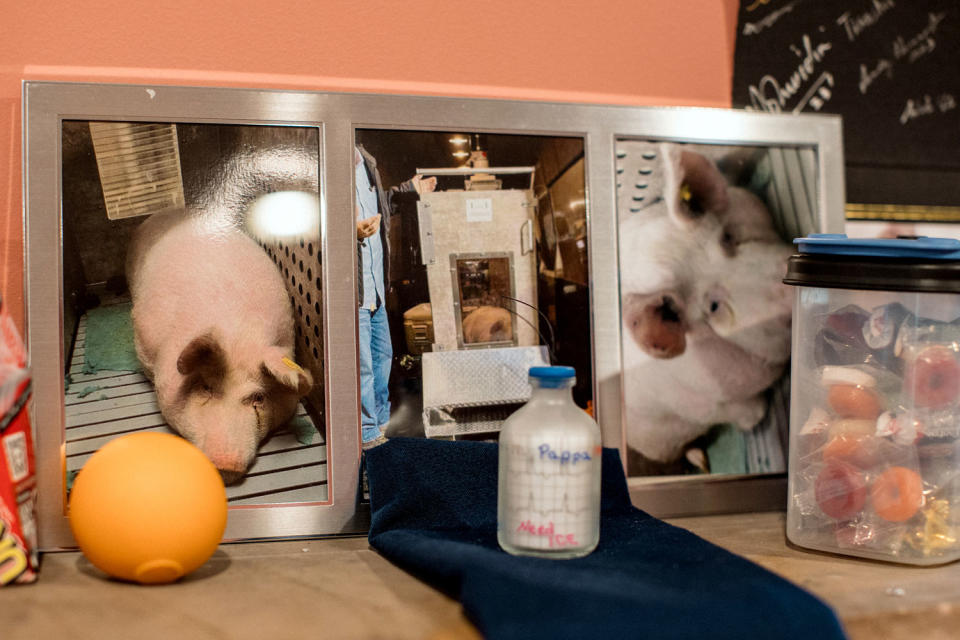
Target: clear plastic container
x,y
874,466
548,501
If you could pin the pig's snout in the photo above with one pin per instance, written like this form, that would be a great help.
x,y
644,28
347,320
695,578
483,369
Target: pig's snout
x,y
231,450
658,325
231,467
231,477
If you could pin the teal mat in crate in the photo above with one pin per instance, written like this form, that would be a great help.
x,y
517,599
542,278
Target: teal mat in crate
x,y
109,340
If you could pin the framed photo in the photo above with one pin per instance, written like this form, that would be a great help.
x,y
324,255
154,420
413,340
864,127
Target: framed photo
x,y
488,235
471,303
704,233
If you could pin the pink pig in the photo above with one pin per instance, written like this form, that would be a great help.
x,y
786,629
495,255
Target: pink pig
x,y
213,328
487,324
706,318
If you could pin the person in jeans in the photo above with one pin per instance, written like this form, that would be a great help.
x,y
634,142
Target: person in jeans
x,y
373,260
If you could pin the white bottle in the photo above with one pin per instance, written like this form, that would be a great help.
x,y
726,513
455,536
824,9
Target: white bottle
x,y
548,504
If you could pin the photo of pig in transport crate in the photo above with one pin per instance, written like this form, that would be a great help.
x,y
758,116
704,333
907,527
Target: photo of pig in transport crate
x,y
472,267
193,297
704,236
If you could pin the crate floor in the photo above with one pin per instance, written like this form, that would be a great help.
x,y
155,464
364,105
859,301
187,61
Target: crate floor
x,y
104,405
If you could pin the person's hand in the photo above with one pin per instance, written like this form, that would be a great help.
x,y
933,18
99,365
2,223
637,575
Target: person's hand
x,y
368,226
424,185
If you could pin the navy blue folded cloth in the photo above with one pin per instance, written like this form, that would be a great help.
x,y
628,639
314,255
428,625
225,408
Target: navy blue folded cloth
x,y
434,513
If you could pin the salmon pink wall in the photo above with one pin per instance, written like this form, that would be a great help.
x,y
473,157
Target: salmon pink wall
x,y
613,51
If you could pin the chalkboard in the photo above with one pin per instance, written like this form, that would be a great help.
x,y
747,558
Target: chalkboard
x,y
891,68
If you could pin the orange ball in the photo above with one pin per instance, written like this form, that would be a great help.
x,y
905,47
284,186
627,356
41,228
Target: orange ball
x,y
897,494
148,507
852,401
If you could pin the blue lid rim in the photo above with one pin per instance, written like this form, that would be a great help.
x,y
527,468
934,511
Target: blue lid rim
x,y
554,372
839,244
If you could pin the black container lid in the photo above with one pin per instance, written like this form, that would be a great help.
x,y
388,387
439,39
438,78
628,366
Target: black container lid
x,y
898,264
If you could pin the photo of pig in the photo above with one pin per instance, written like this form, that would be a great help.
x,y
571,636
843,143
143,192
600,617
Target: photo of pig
x,y
479,265
193,298
705,316
216,341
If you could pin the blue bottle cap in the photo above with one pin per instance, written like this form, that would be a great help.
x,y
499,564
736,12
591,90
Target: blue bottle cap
x,y
552,374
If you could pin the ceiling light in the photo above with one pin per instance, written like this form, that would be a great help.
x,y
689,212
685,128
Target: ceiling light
x,y
285,214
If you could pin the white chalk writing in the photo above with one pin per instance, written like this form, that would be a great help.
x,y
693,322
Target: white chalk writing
x,y
770,95
927,106
818,93
854,25
946,102
922,43
914,110
867,76
753,28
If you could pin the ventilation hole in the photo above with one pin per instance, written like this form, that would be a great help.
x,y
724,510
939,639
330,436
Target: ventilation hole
x,y
316,330
619,170
309,274
316,307
286,272
319,286
299,310
286,251
293,256
645,171
307,318
316,356
293,280
635,209
638,198
621,154
301,243
300,288
310,249
648,155
309,301
641,185
299,332
301,266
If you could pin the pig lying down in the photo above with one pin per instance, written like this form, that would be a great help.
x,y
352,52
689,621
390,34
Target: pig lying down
x,y
706,319
213,328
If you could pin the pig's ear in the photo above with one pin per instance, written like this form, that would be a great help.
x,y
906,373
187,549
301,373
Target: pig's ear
x,y
203,356
657,323
288,373
693,187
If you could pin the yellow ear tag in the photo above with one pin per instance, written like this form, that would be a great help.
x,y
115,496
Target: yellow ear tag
x,y
685,193
291,364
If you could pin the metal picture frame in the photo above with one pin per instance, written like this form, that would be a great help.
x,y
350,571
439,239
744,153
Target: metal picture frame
x,y
337,117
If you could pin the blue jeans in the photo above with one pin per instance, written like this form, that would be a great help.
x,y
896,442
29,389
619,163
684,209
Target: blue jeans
x,y
376,358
